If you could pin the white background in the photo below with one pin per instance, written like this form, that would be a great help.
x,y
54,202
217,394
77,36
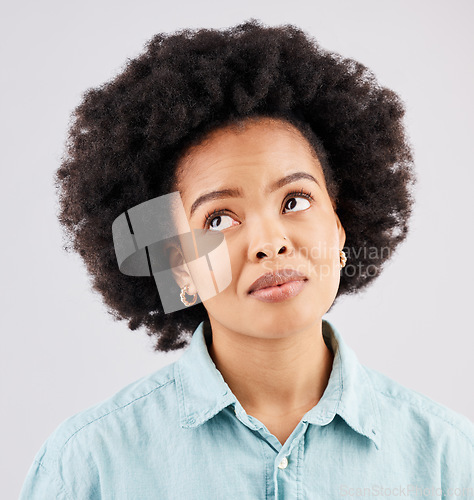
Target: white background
x,y
61,352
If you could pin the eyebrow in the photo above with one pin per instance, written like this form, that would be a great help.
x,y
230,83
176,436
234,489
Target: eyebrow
x,y
237,193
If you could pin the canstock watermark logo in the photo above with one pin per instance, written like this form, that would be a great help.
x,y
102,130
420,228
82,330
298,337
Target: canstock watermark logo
x,y
405,491
146,235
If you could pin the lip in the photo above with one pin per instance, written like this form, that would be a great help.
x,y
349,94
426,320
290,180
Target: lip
x,y
275,278
279,293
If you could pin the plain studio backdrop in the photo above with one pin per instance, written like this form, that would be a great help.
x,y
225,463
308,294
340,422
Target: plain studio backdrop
x,y
61,351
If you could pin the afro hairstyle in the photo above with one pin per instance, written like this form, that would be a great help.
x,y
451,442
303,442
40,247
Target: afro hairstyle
x,y
128,135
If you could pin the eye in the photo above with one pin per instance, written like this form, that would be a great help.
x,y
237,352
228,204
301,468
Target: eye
x,y
298,201
217,221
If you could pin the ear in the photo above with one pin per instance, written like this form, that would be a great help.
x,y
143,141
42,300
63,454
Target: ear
x,y
179,268
341,231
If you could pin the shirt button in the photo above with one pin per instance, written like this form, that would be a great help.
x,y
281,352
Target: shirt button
x,y
283,464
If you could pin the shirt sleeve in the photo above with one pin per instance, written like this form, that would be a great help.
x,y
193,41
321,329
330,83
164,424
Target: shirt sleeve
x,y
40,483
458,462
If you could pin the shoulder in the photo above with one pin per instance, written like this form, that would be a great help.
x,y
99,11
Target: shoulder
x,y
126,408
73,456
419,411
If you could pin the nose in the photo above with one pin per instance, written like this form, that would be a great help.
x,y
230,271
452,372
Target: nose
x,y
267,241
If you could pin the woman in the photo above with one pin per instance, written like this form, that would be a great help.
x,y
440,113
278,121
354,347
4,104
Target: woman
x,y
266,177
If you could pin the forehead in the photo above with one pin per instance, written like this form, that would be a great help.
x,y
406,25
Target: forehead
x,y
273,146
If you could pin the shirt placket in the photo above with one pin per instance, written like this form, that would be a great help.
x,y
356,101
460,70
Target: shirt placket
x,y
288,467
287,459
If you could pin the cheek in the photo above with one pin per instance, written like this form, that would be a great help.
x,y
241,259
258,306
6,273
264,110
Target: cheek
x,y
235,267
212,270
321,248
202,278
237,259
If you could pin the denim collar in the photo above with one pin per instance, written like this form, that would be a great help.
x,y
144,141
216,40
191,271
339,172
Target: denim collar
x,y
202,391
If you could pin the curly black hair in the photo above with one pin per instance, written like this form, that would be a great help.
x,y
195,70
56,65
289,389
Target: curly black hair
x,y
128,135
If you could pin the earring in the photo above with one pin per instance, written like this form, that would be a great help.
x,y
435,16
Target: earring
x,y
343,258
182,295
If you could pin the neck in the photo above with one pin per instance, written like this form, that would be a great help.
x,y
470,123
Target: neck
x,y
273,376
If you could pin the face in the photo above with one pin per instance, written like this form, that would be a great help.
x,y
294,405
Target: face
x,y
280,216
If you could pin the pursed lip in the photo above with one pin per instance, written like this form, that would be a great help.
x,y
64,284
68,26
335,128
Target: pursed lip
x,y
276,278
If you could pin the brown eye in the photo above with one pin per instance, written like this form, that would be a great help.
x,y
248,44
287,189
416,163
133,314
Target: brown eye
x,y
297,203
218,223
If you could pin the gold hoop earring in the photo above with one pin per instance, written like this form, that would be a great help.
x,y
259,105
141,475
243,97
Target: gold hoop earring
x,y
343,258
182,296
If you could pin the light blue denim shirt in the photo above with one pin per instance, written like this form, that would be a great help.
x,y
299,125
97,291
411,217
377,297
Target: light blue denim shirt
x,y
180,433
